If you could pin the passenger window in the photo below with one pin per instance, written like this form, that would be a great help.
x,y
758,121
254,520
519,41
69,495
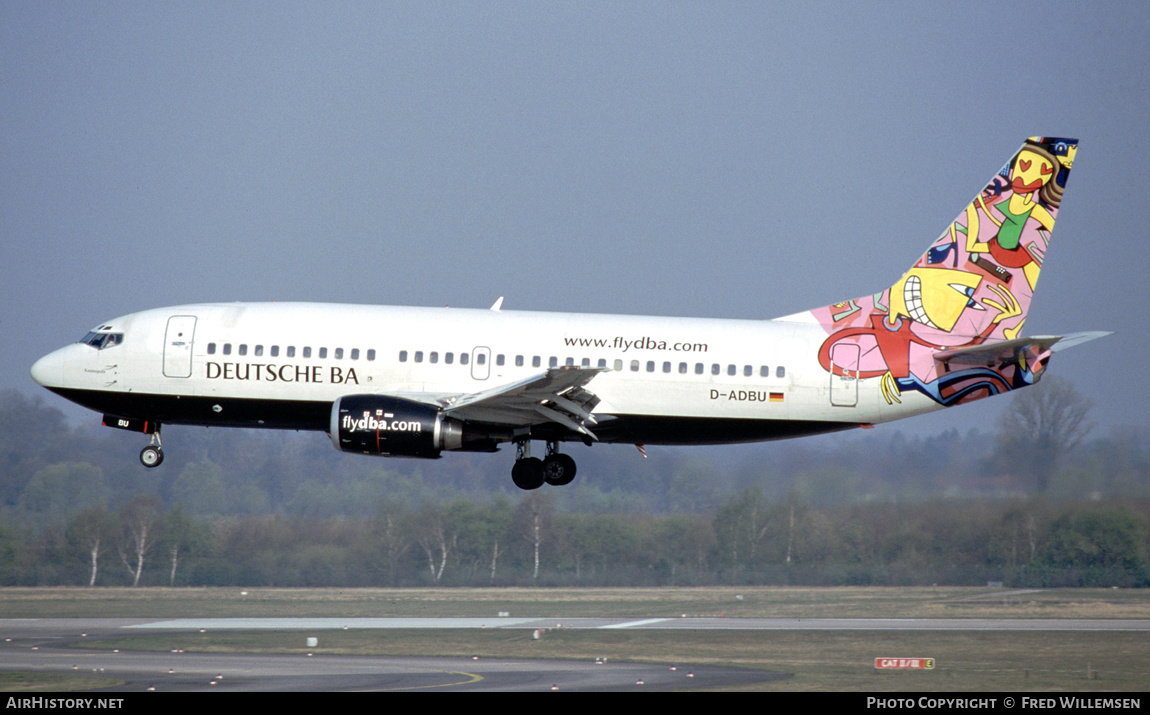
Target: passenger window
x,y
371,355
243,349
602,362
650,366
275,351
449,358
764,371
355,353
731,369
323,352
211,348
715,369
780,371
618,366
481,358
666,367
227,348
570,362
339,353
682,368
464,358
748,371
518,361
419,356
499,360
403,356
307,352
259,350
634,366
433,357
698,368
291,351
585,362
536,361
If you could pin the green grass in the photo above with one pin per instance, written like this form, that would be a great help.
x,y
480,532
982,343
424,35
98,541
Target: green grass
x,y
818,660
862,602
52,682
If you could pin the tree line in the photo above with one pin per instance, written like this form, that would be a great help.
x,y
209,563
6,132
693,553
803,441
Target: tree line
x,y
749,539
236,507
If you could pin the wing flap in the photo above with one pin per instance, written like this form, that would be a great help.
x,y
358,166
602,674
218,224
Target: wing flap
x,y
557,395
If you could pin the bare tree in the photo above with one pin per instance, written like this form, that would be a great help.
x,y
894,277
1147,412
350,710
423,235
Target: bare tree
x,y
90,531
139,521
744,524
1042,425
533,524
178,534
494,559
391,529
436,537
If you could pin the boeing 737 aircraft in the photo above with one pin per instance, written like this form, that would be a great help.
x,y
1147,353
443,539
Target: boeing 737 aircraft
x,y
415,382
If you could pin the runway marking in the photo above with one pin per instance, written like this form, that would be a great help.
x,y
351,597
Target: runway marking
x,y
333,624
470,678
637,624
659,624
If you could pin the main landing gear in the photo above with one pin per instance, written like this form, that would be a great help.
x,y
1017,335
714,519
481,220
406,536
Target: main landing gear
x,y
530,472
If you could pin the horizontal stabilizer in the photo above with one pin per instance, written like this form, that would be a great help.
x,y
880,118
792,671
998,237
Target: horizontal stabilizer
x,y
995,354
1036,349
1069,341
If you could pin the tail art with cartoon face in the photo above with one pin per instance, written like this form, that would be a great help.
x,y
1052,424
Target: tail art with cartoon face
x,y
949,328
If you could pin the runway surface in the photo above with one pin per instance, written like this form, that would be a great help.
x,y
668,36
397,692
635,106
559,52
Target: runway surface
x,y
710,624
187,672
43,645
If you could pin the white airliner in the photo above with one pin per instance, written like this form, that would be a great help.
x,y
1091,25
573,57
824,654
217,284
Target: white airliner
x,y
414,382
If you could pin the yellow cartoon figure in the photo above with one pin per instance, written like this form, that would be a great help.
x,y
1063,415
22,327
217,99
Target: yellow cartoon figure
x,y
934,297
1022,216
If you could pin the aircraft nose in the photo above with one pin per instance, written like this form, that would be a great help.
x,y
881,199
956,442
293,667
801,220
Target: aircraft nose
x,y
49,370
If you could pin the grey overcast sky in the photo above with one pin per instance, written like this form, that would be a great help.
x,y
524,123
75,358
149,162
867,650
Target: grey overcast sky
x,y
708,159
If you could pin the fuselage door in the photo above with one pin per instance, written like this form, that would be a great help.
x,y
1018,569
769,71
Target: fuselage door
x,y
481,363
845,374
178,346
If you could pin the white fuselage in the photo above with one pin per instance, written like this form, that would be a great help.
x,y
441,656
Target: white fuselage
x,y
253,364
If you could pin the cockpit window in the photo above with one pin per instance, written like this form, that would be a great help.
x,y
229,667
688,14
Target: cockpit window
x,y
102,340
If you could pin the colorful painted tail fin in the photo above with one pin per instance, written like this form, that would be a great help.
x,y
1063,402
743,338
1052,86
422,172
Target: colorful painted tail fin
x,y
972,286
998,243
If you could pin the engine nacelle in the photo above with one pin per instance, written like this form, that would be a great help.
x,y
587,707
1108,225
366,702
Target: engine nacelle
x,y
392,427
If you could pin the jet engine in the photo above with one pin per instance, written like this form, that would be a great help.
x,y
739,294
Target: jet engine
x,y
392,427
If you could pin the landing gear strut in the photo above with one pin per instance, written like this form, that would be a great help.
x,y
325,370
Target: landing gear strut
x,y
558,468
530,472
153,454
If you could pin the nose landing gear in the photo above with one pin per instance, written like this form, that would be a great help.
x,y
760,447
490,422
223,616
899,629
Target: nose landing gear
x,y
152,455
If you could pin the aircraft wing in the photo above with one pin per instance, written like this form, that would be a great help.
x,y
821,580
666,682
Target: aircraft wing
x,y
557,395
1035,349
